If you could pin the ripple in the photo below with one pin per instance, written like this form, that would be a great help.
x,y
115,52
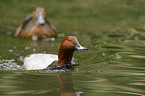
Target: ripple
x,y
137,56
143,84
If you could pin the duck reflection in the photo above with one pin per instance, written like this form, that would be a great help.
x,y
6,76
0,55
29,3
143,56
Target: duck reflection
x,y
66,84
36,26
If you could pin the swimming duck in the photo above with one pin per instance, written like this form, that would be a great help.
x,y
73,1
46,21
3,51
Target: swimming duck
x,y
41,61
36,26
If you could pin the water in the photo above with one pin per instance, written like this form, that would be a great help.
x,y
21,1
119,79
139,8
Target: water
x,y
113,31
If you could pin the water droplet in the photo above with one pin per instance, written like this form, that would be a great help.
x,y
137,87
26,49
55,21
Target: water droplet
x,y
48,39
52,39
14,47
34,50
21,58
27,48
34,38
11,50
61,35
103,54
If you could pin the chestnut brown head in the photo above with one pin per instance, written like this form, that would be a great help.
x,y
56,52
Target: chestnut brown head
x,y
68,46
71,43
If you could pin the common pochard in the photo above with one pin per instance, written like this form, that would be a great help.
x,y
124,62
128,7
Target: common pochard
x,y
41,61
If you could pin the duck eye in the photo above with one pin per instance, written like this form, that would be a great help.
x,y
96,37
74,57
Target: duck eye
x,y
69,40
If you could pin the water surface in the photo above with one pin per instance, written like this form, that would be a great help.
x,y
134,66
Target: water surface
x,y
113,31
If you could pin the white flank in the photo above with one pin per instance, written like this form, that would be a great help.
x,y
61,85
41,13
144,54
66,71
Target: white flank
x,y
39,61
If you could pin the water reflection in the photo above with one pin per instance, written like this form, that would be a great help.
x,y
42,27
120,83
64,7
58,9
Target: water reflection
x,y
19,83
65,83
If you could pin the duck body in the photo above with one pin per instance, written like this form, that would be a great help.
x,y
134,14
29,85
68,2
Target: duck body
x,y
41,31
41,61
36,25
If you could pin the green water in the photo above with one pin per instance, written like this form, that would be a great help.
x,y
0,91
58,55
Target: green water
x,y
112,30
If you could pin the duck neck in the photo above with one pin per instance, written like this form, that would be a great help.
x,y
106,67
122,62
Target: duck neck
x,y
65,56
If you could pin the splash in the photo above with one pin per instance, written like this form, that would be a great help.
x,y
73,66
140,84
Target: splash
x,y
6,64
10,64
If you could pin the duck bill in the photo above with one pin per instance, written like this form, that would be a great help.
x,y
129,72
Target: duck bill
x,y
40,19
79,47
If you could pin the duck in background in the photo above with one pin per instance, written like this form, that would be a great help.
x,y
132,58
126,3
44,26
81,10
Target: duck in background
x,y
41,61
36,26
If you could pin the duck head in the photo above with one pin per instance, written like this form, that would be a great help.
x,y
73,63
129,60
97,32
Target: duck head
x,y
68,46
70,43
39,15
